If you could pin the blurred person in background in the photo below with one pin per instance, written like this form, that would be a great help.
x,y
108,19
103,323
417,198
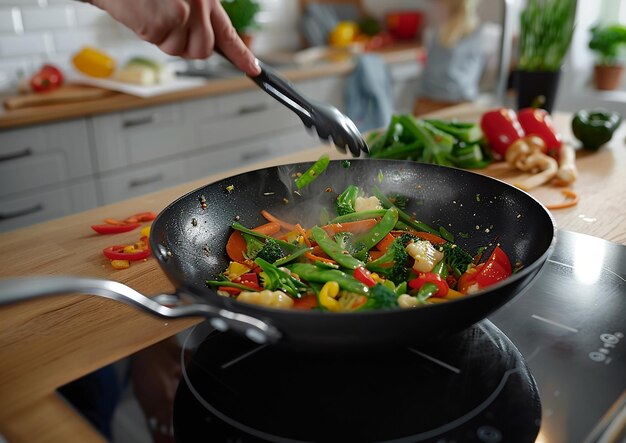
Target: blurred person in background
x,y
455,56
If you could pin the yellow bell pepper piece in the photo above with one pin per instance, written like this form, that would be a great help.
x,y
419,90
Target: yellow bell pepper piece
x,y
452,294
120,264
236,270
328,295
129,249
94,63
145,231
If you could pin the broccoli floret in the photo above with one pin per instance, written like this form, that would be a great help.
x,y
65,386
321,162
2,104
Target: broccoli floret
x,y
253,246
345,201
381,297
271,251
398,200
407,238
351,245
393,263
456,258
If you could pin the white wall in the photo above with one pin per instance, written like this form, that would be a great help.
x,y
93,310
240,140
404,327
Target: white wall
x,y
36,31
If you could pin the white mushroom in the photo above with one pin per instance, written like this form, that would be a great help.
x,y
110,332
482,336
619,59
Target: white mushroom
x,y
527,154
567,172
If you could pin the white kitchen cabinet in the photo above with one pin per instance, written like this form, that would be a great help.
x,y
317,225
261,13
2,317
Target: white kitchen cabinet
x,y
116,186
38,156
227,157
23,209
138,136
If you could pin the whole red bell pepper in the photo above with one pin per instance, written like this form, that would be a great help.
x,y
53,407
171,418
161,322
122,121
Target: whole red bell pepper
x,y
536,121
501,128
48,78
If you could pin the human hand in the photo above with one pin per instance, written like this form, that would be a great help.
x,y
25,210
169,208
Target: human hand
x,y
188,28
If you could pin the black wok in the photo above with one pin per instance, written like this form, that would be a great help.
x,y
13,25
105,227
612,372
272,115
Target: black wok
x,y
189,242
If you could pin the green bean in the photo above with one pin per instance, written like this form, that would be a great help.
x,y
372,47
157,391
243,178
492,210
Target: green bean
x,y
292,256
334,251
313,172
311,273
361,215
380,229
406,218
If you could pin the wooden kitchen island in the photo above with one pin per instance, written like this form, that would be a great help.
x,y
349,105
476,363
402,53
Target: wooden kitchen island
x,y
45,344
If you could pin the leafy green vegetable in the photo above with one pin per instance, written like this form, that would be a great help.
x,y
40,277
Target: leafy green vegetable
x,y
274,278
381,297
393,263
345,201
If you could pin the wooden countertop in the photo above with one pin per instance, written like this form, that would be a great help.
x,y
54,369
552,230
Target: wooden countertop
x,y
47,343
122,102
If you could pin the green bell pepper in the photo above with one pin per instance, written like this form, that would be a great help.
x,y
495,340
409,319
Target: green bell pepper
x,y
595,127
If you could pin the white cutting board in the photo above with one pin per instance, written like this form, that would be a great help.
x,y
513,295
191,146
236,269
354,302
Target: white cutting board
x,y
175,84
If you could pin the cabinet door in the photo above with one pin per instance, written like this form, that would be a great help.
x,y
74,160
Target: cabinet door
x,y
38,206
138,136
39,156
235,155
131,183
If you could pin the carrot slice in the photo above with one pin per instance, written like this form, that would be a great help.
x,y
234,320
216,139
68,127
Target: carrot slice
x,y
314,257
572,199
356,227
271,218
434,239
383,245
236,245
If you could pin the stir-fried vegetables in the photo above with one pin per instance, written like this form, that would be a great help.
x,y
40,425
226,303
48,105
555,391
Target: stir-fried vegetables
x,y
372,255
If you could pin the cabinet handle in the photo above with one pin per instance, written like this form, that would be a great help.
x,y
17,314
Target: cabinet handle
x,y
15,155
21,212
134,183
253,155
252,109
139,121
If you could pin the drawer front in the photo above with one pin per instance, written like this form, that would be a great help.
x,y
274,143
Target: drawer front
x,y
120,186
253,124
34,207
135,137
43,155
235,155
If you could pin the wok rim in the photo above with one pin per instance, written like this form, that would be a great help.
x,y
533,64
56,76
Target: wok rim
x,y
264,311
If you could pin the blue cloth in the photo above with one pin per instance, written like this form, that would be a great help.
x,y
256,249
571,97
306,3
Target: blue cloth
x,y
369,94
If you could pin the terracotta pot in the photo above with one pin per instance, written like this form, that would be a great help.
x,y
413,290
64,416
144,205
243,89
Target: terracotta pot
x,y
247,40
607,78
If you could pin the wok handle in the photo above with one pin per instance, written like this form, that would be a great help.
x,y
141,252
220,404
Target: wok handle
x,y
22,289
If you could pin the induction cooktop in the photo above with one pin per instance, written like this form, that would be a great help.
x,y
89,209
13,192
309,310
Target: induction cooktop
x,y
548,367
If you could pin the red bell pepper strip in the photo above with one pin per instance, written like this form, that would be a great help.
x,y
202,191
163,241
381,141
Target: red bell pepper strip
x,y
115,229
538,122
430,277
364,276
501,128
309,301
468,278
496,268
117,253
250,280
141,217
230,290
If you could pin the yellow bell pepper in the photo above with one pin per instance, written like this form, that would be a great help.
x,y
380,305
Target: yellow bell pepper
x,y
236,270
145,231
328,295
120,264
343,34
94,63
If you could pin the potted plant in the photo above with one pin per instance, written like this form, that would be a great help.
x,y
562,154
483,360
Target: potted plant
x,y
242,14
606,42
546,30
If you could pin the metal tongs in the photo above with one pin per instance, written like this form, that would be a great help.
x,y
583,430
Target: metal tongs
x,y
327,120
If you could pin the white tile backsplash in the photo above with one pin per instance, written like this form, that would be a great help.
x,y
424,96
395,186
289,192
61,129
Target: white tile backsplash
x,y
38,19
37,31
6,19
26,44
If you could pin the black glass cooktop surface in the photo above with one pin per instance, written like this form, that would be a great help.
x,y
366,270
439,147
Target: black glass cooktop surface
x,y
565,383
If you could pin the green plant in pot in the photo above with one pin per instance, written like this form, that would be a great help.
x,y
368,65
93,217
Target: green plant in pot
x,y
606,42
546,29
242,14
